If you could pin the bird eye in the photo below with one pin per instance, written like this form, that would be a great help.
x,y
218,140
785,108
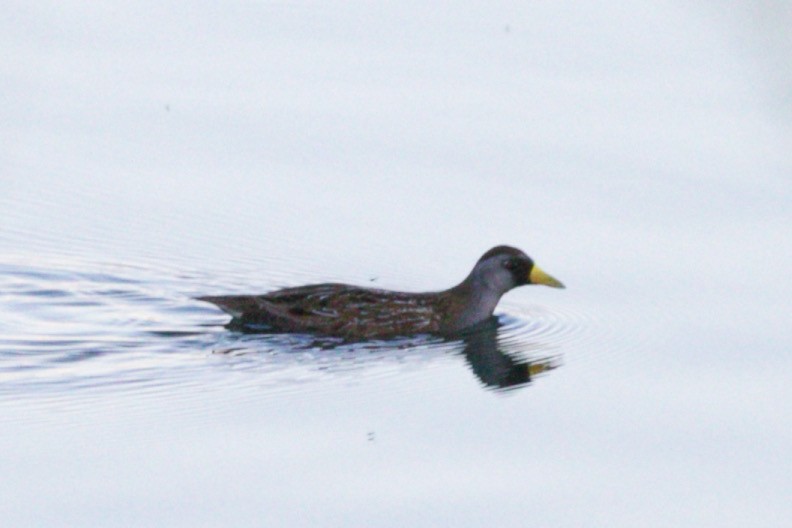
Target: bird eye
x,y
509,264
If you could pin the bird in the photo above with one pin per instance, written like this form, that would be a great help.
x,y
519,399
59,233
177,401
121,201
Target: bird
x,y
360,313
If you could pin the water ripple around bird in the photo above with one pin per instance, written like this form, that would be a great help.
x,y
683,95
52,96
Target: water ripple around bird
x,y
72,330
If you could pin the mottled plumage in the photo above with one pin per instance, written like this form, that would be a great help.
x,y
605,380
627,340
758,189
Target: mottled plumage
x,y
362,313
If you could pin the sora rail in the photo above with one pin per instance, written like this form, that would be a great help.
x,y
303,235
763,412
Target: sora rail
x,y
355,312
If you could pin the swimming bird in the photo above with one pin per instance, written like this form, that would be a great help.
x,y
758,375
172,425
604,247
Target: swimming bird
x,y
356,312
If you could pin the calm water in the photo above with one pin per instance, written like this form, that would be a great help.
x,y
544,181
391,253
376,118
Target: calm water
x,y
641,154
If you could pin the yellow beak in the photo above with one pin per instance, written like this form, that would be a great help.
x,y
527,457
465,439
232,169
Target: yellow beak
x,y
537,276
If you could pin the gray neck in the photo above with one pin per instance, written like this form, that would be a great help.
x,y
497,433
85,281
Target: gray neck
x,y
480,300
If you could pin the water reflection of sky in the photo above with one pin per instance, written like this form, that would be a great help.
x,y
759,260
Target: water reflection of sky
x,y
641,153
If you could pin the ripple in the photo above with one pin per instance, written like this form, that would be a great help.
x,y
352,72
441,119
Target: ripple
x,y
74,330
552,325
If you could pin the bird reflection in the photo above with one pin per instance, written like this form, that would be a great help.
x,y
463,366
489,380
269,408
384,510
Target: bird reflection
x,y
494,362
495,356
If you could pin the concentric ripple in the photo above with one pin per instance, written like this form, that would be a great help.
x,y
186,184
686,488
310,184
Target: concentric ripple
x,y
554,326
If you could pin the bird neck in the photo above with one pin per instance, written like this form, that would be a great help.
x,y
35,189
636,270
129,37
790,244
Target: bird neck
x,y
478,300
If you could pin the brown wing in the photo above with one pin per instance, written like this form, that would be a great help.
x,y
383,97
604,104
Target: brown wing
x,y
337,309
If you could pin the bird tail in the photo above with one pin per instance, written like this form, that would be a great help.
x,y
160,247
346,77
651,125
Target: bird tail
x,y
234,305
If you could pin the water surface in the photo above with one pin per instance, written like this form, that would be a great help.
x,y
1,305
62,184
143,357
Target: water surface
x,y
640,153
